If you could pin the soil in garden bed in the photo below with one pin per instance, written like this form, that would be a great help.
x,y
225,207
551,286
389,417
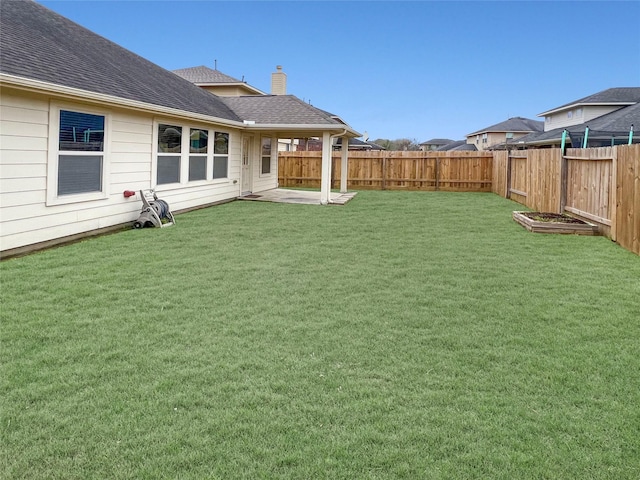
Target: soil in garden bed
x,y
552,217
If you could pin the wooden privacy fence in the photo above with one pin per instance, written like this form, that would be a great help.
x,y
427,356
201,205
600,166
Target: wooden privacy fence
x,y
385,170
601,185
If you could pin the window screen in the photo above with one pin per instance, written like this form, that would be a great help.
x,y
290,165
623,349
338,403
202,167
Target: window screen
x,y
168,169
79,174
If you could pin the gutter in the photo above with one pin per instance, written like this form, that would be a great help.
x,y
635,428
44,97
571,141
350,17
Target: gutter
x,y
78,94
597,104
303,128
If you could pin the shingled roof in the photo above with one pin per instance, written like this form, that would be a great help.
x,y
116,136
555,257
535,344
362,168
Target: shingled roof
x,y
515,125
278,110
616,124
437,141
612,96
39,44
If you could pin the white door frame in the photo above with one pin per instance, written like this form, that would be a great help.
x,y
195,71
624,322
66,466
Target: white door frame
x,y
246,164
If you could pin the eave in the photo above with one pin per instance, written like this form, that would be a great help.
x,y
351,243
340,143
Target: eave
x,y
80,95
480,132
86,96
589,104
231,84
301,130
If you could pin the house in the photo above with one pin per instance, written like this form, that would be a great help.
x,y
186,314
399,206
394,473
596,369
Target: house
x,y
605,118
502,132
584,110
85,120
217,82
434,144
221,84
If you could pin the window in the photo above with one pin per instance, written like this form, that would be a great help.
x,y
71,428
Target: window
x,y
188,153
509,135
265,168
198,143
570,114
169,153
80,153
220,155
484,138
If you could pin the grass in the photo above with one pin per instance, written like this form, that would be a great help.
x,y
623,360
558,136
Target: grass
x,y
404,335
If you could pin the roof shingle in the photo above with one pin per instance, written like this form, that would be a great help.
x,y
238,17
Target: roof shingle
x,y
37,43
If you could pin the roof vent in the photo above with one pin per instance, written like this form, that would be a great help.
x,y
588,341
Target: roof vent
x,y
279,82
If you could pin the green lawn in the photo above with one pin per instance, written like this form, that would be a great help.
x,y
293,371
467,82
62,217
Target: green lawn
x,y
404,335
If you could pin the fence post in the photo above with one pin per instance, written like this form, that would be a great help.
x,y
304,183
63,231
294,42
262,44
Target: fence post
x,y
508,182
384,171
437,173
613,193
563,182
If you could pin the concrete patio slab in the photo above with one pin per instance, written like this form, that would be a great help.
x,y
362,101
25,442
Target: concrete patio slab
x,y
305,197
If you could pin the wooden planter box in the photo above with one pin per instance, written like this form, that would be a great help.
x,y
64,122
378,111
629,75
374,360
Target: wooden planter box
x,y
543,222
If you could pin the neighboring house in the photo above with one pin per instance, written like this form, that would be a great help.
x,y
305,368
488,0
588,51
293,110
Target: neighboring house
x,y
584,110
84,120
609,115
502,132
611,129
434,144
217,82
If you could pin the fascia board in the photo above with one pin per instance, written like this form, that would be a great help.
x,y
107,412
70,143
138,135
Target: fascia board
x,y
80,95
497,131
104,99
349,132
586,104
229,84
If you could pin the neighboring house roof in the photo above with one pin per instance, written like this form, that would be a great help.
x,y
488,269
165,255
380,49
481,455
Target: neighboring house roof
x,y
437,141
515,125
612,96
616,124
278,110
356,144
453,145
39,44
205,76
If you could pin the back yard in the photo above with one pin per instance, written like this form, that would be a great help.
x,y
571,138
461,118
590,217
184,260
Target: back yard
x,y
404,335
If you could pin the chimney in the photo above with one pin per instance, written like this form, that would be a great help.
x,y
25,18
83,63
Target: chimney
x,y
279,82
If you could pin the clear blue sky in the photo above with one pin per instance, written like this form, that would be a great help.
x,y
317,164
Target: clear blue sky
x,y
415,69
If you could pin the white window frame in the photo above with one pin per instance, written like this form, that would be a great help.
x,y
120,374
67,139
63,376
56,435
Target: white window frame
x,y
184,155
206,167
219,155
54,154
274,147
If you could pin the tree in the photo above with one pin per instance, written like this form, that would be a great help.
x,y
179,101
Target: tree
x,y
400,144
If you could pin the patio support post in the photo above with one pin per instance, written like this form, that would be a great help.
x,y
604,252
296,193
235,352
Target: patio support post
x,y
343,165
325,176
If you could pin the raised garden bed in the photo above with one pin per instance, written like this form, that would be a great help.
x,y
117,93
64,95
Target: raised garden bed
x,y
544,222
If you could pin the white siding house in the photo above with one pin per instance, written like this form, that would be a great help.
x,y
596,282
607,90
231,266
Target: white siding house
x,y
74,137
